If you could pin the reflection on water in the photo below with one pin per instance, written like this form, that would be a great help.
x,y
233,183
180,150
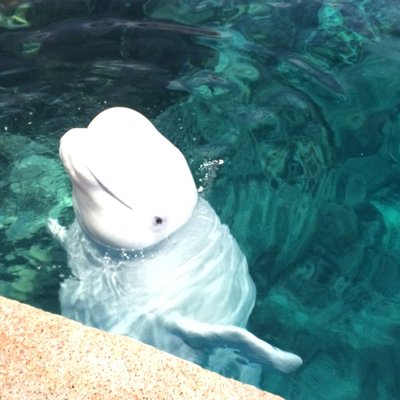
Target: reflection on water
x,y
300,101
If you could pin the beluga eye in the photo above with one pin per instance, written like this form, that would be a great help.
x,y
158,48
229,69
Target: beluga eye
x,y
158,220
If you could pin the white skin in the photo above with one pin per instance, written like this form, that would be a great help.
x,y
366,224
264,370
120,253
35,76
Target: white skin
x,y
131,186
191,295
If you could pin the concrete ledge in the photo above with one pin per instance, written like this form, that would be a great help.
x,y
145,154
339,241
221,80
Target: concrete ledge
x,y
46,356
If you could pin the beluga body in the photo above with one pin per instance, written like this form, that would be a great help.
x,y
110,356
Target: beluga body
x,y
149,257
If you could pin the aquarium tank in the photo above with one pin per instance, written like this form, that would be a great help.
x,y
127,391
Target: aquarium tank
x,y
288,112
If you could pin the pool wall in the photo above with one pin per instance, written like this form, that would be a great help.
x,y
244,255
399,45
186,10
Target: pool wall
x,y
47,356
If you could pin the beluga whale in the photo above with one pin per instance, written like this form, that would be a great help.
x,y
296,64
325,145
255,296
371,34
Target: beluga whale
x,y
149,257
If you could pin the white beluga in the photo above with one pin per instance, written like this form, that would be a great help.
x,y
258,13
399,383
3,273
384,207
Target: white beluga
x,y
149,257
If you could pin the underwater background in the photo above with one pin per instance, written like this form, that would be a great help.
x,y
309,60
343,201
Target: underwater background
x,y
299,98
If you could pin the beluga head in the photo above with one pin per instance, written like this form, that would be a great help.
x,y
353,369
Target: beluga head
x,y
132,188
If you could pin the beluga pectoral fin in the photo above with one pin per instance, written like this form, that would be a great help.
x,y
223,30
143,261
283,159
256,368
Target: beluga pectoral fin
x,y
241,341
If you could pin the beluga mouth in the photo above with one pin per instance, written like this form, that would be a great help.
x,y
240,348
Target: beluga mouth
x,y
107,190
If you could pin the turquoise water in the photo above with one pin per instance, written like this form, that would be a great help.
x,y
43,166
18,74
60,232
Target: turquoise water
x,y
299,98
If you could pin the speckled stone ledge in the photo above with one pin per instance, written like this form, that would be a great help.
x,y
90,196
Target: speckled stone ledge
x,y
46,356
